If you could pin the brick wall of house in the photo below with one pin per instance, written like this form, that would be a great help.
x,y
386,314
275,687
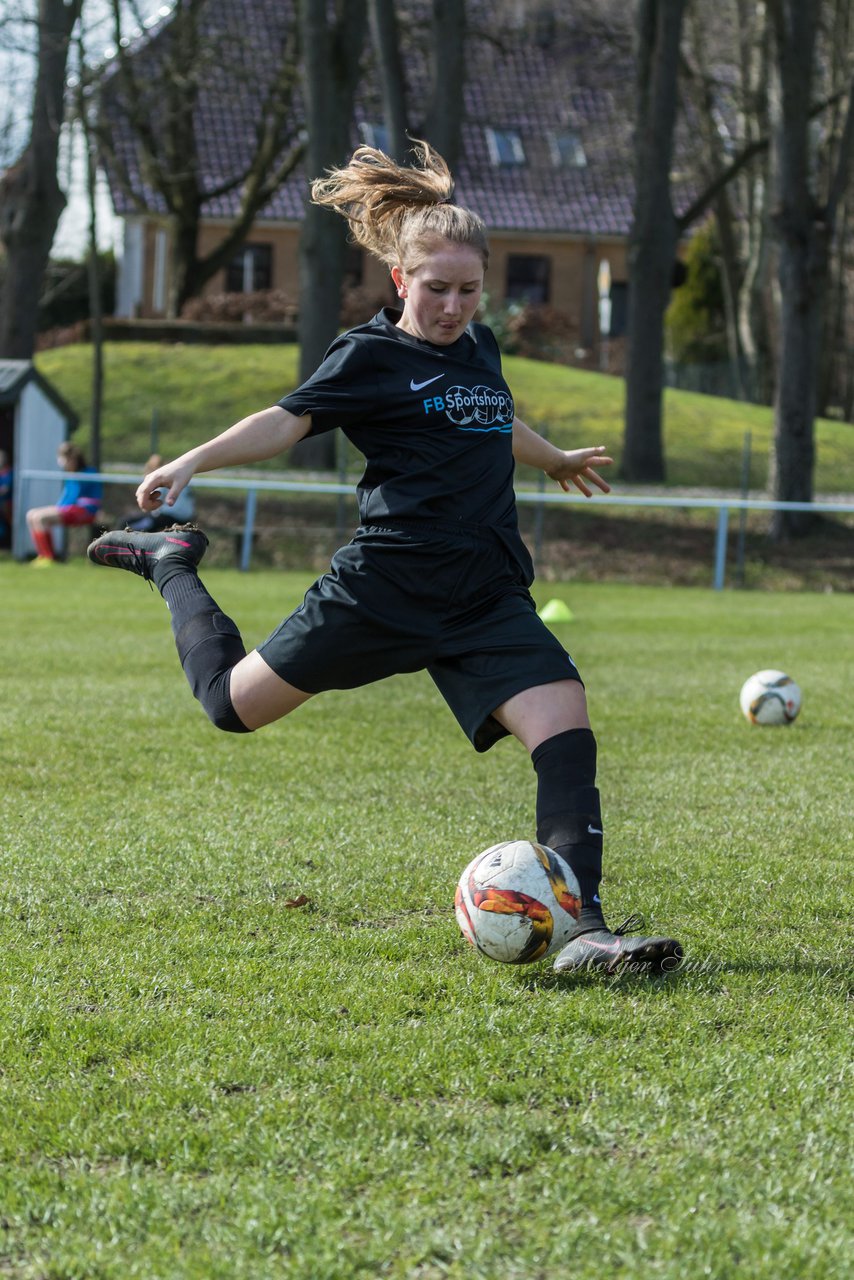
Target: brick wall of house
x,y
568,278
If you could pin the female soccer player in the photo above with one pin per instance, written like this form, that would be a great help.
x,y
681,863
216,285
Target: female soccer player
x,y
437,575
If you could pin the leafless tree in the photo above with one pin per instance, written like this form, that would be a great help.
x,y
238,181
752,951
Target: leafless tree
x,y
444,116
726,62
807,200
654,233
31,200
439,118
385,35
730,60
836,374
801,135
332,43
152,97
82,116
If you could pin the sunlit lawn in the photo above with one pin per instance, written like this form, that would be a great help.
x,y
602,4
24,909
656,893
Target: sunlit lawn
x,y
201,1079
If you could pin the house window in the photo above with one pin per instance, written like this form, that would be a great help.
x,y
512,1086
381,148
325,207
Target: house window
x,y
505,147
251,268
374,135
566,150
158,292
619,309
528,277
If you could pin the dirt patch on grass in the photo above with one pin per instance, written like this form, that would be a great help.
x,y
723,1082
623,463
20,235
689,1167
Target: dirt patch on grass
x,y
678,548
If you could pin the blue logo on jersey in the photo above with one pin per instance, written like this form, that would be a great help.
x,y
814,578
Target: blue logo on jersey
x,y
474,408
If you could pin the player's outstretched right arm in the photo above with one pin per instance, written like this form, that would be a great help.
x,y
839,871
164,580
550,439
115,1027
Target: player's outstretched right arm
x,y
261,435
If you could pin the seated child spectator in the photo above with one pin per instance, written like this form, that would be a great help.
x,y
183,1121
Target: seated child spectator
x,y
6,480
77,504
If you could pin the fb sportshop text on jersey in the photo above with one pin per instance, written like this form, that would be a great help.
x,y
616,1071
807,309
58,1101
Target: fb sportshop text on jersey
x,y
492,410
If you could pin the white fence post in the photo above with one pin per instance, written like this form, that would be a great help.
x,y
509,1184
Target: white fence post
x,y
720,548
248,529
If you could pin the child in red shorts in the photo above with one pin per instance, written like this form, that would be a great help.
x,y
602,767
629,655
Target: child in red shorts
x,y
77,504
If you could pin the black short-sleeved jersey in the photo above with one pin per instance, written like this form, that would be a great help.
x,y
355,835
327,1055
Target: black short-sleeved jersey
x,y
435,424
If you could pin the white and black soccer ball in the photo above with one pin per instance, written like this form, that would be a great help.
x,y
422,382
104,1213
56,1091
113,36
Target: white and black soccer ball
x,y
517,901
770,698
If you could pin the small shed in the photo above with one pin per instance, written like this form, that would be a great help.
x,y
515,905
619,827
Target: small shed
x,y
34,421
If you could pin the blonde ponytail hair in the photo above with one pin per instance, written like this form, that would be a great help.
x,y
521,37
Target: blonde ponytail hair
x,y
396,212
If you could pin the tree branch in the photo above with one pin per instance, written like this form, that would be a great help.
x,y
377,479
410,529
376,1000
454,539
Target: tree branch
x,y
841,178
702,202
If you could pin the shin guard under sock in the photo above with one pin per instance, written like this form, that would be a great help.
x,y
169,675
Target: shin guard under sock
x,y
208,644
569,816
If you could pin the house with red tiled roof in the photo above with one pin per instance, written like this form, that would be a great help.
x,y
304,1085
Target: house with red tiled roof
x,y
545,159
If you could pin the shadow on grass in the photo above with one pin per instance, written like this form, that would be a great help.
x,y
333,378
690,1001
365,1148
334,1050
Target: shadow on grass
x,y
583,981
631,978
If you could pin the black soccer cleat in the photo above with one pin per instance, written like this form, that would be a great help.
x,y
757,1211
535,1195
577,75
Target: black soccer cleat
x,y
140,552
600,949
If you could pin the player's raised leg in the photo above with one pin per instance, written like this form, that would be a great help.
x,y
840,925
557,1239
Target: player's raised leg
x,y
239,692
259,696
551,721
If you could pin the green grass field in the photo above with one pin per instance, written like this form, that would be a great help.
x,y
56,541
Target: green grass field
x,y
200,1080
198,391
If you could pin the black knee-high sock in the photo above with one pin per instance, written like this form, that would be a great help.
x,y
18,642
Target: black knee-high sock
x,y
208,642
569,815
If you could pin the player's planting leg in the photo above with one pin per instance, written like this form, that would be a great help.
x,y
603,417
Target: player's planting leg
x,y
208,642
569,815
569,821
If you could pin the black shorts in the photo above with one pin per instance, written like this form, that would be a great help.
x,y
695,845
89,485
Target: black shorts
x,y
448,599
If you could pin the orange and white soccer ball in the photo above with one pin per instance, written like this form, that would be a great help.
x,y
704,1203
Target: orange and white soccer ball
x,y
770,697
517,901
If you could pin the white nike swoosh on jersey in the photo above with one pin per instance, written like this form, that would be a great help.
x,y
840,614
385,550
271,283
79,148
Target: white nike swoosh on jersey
x,y
594,831
416,386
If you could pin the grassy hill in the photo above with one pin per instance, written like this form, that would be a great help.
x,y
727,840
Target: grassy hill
x,y
198,391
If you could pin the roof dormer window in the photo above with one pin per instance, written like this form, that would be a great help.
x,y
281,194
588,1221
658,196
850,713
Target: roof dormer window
x,y
566,150
505,147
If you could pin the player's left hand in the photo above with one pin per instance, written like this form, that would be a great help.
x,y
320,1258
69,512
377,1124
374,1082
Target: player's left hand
x,y
577,468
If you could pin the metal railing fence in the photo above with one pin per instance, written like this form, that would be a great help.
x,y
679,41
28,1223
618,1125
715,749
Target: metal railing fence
x,y
255,485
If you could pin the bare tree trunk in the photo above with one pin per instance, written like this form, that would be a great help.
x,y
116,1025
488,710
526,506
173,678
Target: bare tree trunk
x,y
830,385
96,316
729,261
730,274
441,124
843,378
31,201
752,304
332,52
752,320
793,455
802,271
187,272
443,121
386,41
805,232
82,112
834,349
653,236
